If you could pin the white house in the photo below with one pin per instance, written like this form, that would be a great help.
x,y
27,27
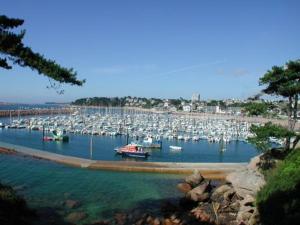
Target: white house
x,y
186,108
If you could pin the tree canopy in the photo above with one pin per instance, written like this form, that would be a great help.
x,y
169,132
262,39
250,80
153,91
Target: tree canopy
x,y
263,133
13,51
284,81
256,108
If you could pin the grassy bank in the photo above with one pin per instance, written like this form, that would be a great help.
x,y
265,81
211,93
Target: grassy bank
x,y
279,200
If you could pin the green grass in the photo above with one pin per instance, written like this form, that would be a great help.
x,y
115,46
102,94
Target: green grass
x,y
279,200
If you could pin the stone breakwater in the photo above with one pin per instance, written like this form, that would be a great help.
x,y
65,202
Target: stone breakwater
x,y
35,112
209,170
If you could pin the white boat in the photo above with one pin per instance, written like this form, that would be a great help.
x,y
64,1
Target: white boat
x,y
178,148
180,137
196,138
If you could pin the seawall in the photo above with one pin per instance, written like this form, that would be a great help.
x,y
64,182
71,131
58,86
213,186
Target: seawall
x,y
35,112
208,170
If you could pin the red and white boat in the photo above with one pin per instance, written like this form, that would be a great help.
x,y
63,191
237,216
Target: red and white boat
x,y
132,150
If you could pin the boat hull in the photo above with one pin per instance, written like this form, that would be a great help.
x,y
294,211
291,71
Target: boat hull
x,y
135,154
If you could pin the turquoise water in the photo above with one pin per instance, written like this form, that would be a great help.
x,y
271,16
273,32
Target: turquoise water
x,y
101,193
103,148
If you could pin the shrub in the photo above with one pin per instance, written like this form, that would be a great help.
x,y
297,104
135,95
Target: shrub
x,y
279,200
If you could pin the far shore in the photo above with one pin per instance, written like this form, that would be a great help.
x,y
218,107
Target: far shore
x,y
208,170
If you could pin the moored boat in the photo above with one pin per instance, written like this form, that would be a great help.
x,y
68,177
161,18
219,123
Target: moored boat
x,y
178,148
150,143
132,150
57,135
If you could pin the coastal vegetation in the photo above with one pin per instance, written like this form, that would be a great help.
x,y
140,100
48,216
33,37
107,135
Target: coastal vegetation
x,y
284,82
256,109
264,132
279,200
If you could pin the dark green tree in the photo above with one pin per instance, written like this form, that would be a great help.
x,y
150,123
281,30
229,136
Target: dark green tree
x,y
281,81
256,109
284,81
263,133
13,51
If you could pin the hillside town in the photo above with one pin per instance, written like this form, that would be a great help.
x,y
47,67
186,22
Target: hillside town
x,y
272,108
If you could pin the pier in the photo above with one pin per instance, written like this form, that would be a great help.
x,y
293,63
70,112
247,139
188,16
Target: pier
x,y
35,112
208,170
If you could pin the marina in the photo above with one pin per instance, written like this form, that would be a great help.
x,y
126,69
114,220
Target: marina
x,y
96,133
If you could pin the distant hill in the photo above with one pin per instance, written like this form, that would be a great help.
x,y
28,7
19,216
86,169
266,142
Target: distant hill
x,y
57,103
119,101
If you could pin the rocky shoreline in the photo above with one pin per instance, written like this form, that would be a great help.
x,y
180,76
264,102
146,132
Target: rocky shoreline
x,y
230,202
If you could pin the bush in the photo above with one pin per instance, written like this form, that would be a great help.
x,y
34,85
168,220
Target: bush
x,y
279,200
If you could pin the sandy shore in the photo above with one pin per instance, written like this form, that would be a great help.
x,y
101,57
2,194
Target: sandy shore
x,y
208,170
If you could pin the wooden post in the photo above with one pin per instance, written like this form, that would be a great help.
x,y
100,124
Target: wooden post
x,y
43,132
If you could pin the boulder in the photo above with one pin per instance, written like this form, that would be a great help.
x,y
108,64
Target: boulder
x,y
184,187
254,219
242,217
168,207
75,217
246,182
140,222
245,213
100,222
120,218
199,193
234,206
218,193
222,189
156,221
167,222
194,179
247,201
254,163
71,204
229,194
149,220
203,213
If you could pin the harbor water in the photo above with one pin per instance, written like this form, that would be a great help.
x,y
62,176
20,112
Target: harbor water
x,y
46,185
102,147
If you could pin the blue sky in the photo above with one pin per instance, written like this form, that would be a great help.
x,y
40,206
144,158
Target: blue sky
x,y
166,49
